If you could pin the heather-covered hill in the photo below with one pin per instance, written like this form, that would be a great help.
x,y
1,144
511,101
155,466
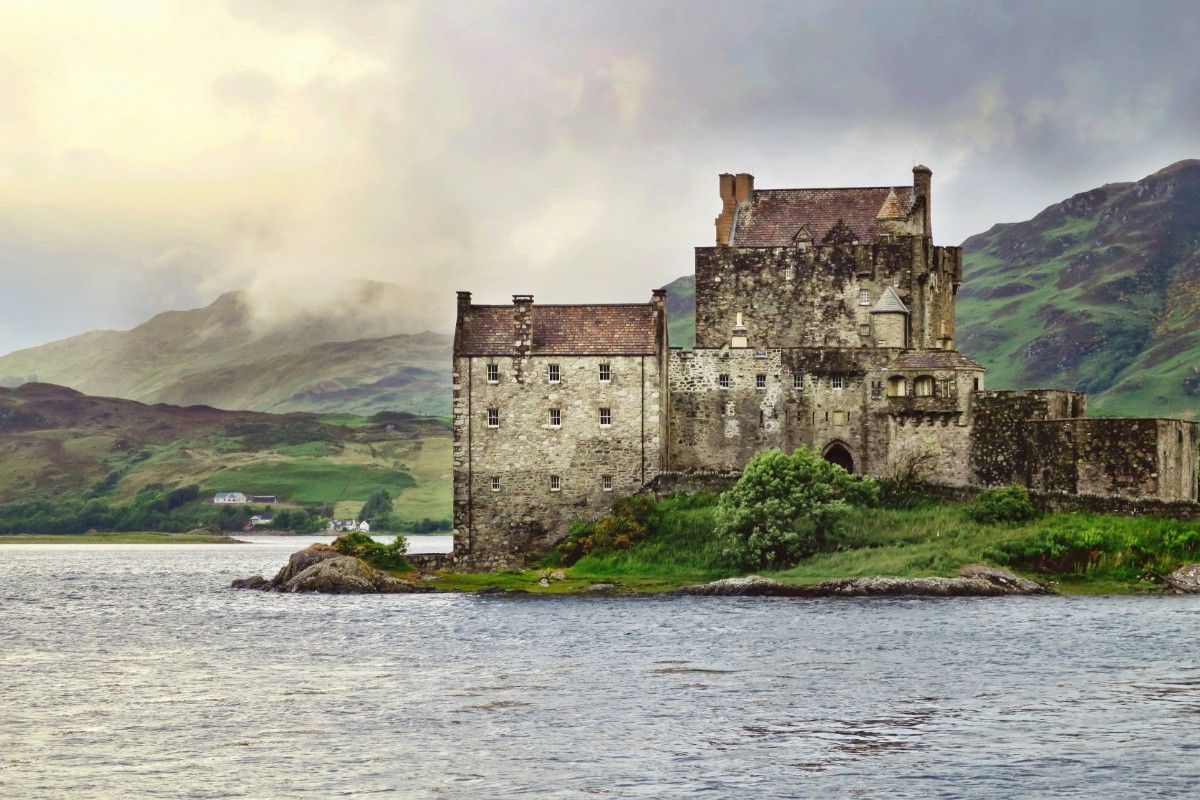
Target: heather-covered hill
x,y
1100,292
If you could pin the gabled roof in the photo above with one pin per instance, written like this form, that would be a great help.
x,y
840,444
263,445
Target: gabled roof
x,y
889,303
933,359
891,208
618,329
774,216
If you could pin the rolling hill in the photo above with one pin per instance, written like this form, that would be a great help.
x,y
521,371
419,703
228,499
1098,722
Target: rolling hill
x,y
62,446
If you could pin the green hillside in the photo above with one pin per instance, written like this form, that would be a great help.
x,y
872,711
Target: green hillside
x,y
350,360
1100,293
62,446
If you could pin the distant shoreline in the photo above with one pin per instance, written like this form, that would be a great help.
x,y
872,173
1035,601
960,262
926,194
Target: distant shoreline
x,y
158,537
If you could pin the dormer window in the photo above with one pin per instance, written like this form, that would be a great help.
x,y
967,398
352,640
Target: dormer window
x,y
493,373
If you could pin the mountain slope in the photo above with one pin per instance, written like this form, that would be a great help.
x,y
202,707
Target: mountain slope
x,y
350,359
1100,293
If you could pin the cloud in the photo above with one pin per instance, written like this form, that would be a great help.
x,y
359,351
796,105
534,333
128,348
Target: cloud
x,y
159,153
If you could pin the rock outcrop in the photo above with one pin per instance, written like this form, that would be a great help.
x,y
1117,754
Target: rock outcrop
x,y
975,580
1186,579
322,569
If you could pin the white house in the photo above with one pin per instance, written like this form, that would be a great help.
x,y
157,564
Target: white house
x,y
348,525
231,498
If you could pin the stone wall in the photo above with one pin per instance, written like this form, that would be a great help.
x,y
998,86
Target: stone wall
x,y
998,447
502,527
810,297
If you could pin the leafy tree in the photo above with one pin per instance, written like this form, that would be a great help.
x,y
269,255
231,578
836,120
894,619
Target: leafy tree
x,y
782,506
379,504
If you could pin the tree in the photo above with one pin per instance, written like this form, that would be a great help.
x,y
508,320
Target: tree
x,y
378,505
780,509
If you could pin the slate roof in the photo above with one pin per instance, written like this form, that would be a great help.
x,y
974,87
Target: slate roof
x,y
889,302
775,215
616,329
933,359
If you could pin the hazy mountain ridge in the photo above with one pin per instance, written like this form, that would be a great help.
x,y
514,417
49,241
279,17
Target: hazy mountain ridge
x,y
220,355
1100,293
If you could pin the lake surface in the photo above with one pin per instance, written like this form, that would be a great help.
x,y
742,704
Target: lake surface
x,y
133,671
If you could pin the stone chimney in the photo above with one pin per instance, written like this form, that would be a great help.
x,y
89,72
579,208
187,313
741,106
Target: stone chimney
x,y
735,190
522,324
464,304
740,339
658,300
922,187
461,317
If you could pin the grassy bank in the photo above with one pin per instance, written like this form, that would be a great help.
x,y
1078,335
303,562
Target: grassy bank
x,y
140,537
1080,553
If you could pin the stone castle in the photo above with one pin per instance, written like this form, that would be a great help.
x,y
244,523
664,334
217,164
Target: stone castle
x,y
824,318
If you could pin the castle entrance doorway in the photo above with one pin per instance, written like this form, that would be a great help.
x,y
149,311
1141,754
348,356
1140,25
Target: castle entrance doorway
x,y
838,454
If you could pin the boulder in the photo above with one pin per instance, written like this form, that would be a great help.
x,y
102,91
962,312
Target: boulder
x,y
745,586
1014,583
322,569
1186,579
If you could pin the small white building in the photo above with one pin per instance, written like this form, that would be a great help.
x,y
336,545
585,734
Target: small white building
x,y
364,527
261,519
230,498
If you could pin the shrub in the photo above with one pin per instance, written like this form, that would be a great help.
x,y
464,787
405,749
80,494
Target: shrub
x,y
630,520
377,554
782,506
1006,504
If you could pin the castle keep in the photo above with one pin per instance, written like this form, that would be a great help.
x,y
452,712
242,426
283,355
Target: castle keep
x,y
824,318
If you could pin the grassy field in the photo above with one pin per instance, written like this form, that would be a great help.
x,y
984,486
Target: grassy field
x,y
309,480
933,540
141,537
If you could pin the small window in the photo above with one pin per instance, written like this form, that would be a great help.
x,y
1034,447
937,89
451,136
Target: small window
x,y
553,373
881,342
798,381
723,380
605,373
789,272
606,482
923,386
837,382
495,483
876,389
864,297
555,483
493,418
896,280
556,418
605,417
760,381
864,330
493,373
975,384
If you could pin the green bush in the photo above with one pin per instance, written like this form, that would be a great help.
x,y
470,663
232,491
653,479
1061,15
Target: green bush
x,y
630,520
1006,504
382,556
783,505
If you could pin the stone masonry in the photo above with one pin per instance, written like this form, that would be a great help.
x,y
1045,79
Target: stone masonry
x,y
824,319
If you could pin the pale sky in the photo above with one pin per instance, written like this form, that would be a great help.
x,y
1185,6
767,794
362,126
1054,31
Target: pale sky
x,y
156,154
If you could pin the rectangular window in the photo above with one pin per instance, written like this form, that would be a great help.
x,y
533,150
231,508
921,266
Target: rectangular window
x,y
495,483
605,417
493,418
876,389
837,382
789,272
555,483
606,482
798,381
605,373
760,381
555,418
864,297
723,380
896,280
864,330
493,373
554,375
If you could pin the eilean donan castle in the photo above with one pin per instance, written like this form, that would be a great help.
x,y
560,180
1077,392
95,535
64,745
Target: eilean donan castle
x,y
824,318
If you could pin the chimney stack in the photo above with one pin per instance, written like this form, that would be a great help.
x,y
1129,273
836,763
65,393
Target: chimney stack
x,y
728,206
741,339
922,187
464,304
522,324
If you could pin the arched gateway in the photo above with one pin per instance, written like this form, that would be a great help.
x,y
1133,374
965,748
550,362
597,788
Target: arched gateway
x,y
837,453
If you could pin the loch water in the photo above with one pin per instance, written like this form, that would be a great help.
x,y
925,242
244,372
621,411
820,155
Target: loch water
x,y
133,671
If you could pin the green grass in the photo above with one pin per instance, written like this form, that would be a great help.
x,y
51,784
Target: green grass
x,y
932,540
143,537
309,480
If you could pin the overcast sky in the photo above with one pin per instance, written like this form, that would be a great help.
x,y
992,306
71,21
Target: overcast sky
x,y
156,154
